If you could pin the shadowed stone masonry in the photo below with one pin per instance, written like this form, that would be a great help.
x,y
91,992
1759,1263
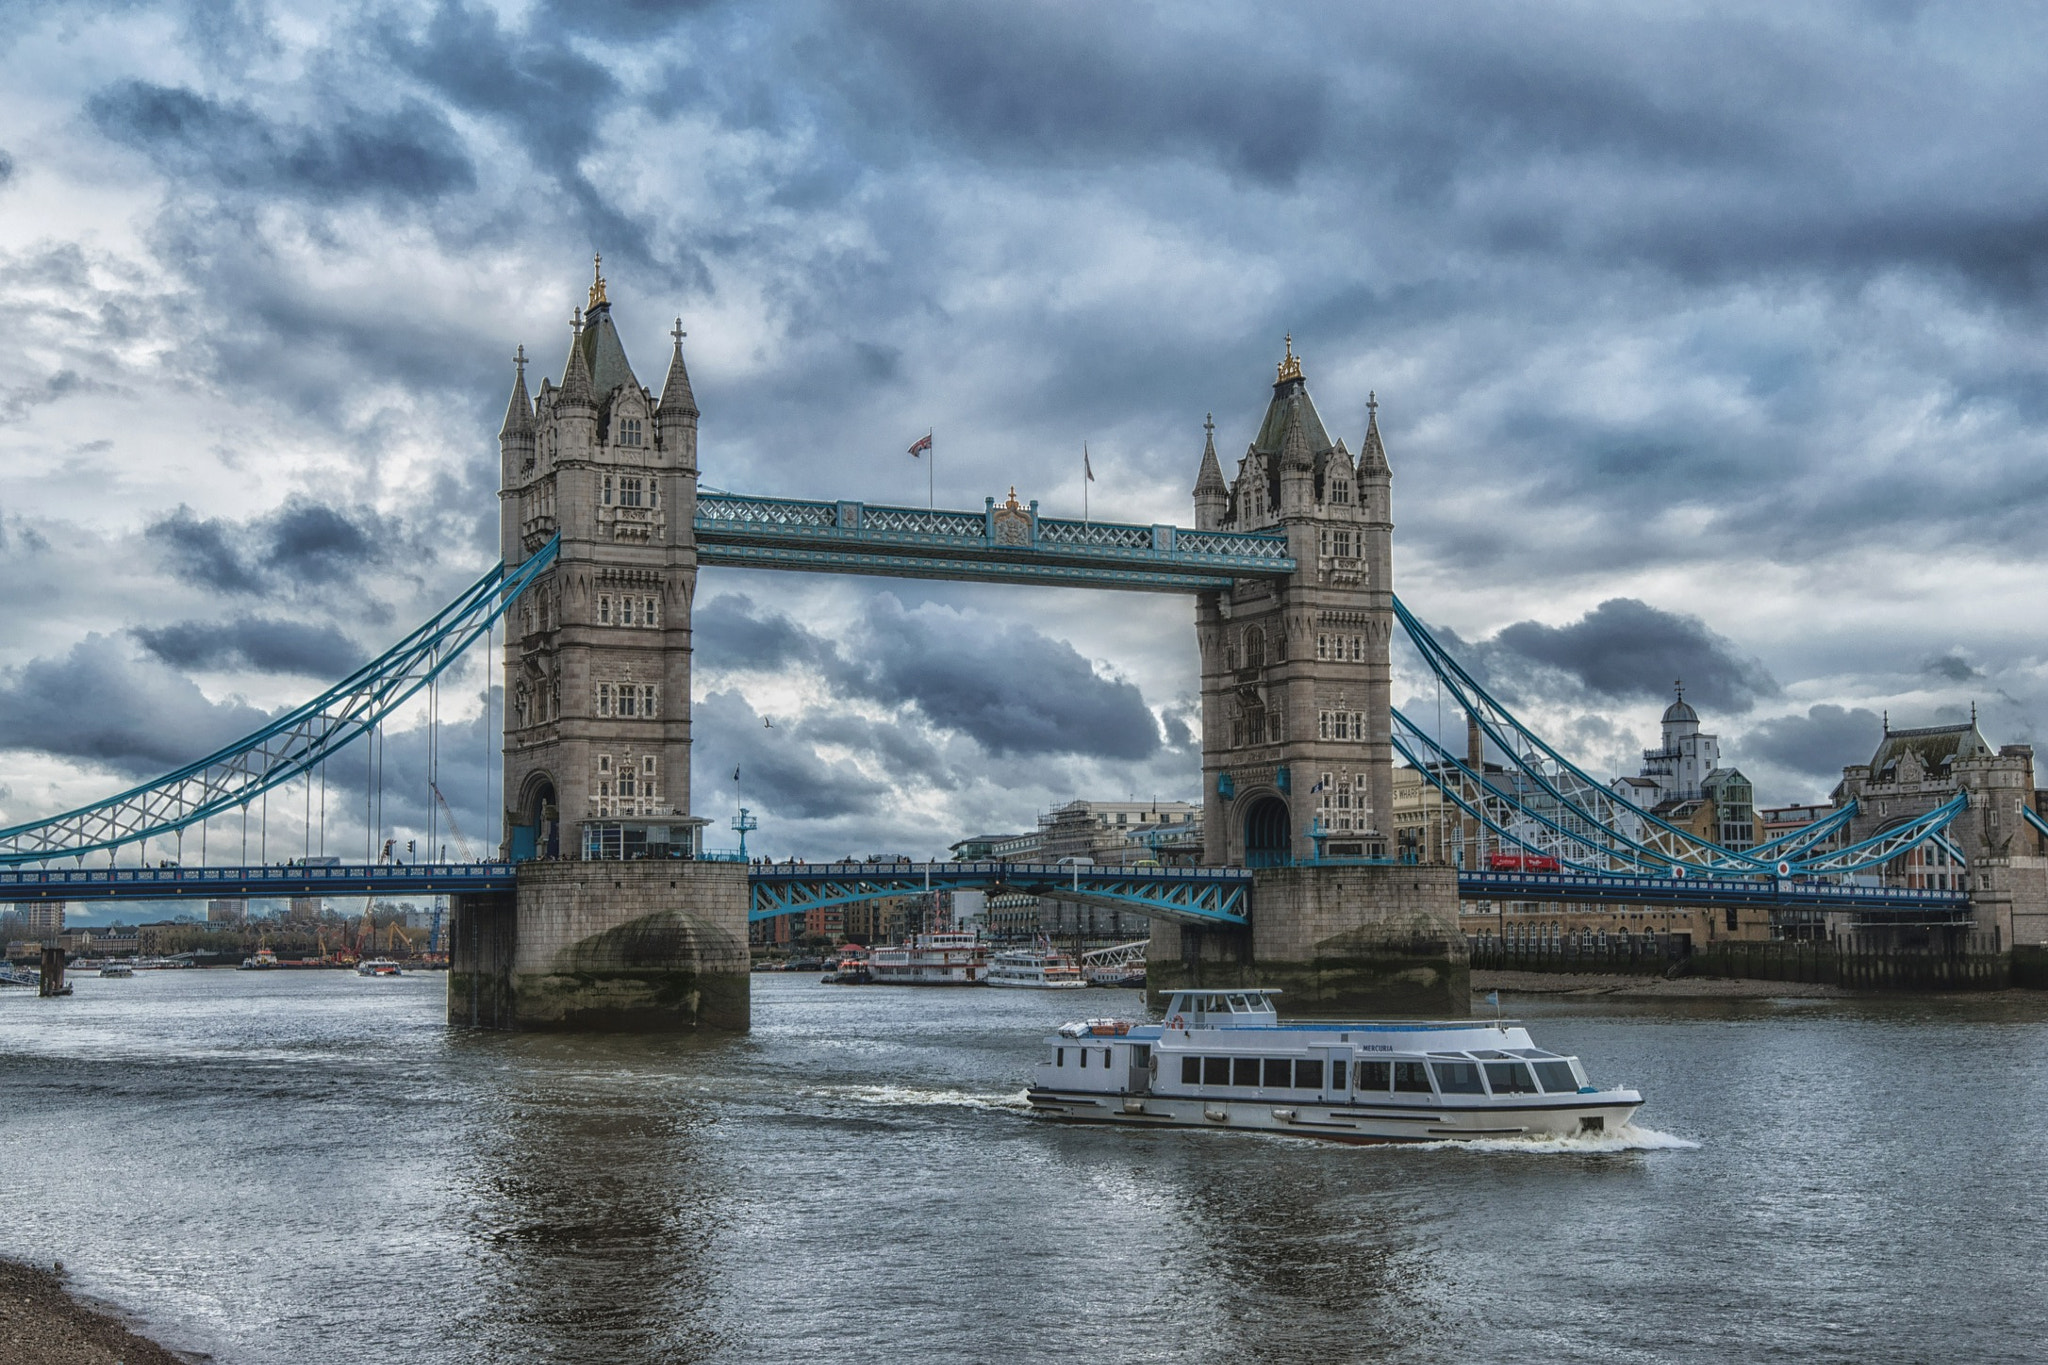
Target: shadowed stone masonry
x,y
650,946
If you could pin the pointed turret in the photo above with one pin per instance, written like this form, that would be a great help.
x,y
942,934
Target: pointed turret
x,y
576,375
1212,494
676,396
1372,456
518,412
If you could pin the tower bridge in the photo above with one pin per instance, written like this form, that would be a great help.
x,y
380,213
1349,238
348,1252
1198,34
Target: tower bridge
x,y
604,528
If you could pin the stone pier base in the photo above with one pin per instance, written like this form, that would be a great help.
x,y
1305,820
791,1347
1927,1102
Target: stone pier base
x,y
1335,940
645,947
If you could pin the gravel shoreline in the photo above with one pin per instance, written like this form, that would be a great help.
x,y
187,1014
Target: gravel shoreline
x,y
43,1323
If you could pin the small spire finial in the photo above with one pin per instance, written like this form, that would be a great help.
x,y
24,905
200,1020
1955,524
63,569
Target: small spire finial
x,y
1679,687
1209,423
1372,403
1290,368
596,278
519,359
576,320
1887,720
1973,710
679,334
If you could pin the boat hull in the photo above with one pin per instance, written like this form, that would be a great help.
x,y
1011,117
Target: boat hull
x,y
1341,1122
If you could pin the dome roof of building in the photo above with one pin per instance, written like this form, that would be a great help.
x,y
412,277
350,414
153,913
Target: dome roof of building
x,y
1680,710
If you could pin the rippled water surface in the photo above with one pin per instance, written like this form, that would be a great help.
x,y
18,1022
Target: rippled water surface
x,y
309,1166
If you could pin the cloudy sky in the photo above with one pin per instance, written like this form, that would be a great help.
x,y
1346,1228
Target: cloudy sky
x,y
1708,341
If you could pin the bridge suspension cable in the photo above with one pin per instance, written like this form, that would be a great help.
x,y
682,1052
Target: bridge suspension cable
x,y
1548,805
289,746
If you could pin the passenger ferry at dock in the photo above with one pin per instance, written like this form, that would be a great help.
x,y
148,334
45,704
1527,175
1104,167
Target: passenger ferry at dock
x,y
1044,969
950,958
1223,1059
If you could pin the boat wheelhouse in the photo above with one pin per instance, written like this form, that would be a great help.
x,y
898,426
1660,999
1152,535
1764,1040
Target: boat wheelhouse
x,y
1223,1059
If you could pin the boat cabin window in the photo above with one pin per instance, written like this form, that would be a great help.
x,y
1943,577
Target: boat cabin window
x,y
1510,1078
1239,1005
1191,1071
1084,1055
1244,1071
1557,1077
1216,1071
1308,1073
1059,1057
1374,1075
1279,1072
1411,1078
1105,1056
1457,1078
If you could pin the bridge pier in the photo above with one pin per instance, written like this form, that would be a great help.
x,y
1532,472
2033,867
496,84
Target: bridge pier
x,y
1336,939
656,945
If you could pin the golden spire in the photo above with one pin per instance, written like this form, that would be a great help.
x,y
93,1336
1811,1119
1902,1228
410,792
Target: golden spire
x,y
596,278
1290,368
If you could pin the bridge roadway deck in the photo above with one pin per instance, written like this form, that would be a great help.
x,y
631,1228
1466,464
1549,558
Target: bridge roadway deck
x,y
1195,895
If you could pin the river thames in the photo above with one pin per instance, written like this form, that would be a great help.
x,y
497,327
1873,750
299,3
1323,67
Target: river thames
x,y
300,1166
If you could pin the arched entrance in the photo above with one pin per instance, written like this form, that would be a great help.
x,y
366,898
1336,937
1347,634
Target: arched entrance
x,y
1266,839
537,832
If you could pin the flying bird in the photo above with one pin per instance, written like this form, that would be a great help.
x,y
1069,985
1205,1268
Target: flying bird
x,y
767,724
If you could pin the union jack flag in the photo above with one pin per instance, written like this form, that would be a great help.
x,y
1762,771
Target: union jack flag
x,y
924,443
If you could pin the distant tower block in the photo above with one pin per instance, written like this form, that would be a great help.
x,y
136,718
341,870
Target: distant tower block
x,y
613,924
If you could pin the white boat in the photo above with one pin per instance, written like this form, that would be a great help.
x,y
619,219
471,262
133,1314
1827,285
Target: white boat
x,y
379,966
117,969
263,960
1043,969
952,958
1223,1059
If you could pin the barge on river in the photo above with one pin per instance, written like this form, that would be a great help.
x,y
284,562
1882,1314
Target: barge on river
x,y
1223,1059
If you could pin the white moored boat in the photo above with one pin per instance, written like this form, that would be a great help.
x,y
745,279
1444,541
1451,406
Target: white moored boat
x,y
1223,1059
950,958
1042,969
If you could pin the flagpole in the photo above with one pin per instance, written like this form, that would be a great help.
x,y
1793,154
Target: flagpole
x,y
931,471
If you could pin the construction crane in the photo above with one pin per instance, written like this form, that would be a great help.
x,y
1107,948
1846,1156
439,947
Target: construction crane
x,y
467,853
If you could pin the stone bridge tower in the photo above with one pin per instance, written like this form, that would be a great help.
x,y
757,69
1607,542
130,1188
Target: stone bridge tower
x,y
613,923
597,653
1297,765
1295,753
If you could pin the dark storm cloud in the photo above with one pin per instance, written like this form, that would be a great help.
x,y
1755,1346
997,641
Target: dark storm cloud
x,y
266,644
777,771
101,705
1952,667
1820,743
302,543
1625,648
1012,689
410,153
6,166
1066,83
739,634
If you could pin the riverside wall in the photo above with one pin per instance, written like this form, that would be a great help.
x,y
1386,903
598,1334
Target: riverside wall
x,y
651,946
1336,939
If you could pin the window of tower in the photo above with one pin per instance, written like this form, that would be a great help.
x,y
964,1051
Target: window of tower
x,y
647,612
1340,492
647,699
1255,648
1357,649
629,491
604,611
629,698
607,495
627,787
625,611
604,708
1322,646
604,763
1342,539
629,431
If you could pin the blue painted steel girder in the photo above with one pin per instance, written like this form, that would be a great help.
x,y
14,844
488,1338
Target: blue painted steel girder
x,y
1185,895
1008,544
252,883
1712,892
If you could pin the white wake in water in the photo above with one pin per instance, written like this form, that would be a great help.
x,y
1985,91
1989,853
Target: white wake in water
x,y
910,1097
1627,1138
